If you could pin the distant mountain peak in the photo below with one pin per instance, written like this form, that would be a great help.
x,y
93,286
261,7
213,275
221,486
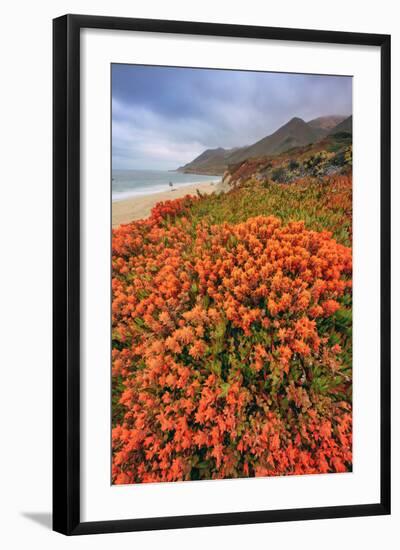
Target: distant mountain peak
x,y
296,120
346,125
294,133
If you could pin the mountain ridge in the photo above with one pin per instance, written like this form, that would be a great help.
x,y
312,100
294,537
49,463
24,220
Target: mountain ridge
x,y
345,126
294,133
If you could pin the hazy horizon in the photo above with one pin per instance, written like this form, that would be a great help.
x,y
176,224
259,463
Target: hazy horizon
x,y
163,117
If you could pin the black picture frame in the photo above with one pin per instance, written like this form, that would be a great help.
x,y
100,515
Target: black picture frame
x,y
66,273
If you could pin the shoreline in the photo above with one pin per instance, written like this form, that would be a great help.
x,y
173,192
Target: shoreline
x,y
139,207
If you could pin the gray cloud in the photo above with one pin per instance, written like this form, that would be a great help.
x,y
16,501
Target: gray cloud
x,y
163,117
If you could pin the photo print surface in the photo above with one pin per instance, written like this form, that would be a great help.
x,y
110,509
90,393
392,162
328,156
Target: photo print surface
x,y
231,274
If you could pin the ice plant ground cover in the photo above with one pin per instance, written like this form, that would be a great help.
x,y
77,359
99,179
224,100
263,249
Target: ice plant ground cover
x,y
231,353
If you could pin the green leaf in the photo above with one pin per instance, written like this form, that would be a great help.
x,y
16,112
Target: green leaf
x,y
225,388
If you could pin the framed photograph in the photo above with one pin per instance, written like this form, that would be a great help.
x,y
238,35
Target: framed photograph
x,y
221,274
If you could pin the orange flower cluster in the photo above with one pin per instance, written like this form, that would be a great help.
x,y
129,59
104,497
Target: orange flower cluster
x,y
229,352
169,209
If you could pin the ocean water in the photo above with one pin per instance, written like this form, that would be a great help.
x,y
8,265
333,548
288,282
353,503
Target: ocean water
x,y
133,183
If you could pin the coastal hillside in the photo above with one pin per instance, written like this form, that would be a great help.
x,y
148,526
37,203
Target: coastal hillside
x,y
329,156
344,126
211,162
295,133
324,124
232,330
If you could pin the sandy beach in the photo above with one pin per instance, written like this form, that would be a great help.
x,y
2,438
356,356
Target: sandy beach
x,y
136,208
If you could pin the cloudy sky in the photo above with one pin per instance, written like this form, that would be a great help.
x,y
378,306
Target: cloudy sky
x,y
163,117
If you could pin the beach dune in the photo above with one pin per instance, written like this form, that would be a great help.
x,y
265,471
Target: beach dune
x,y
138,208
